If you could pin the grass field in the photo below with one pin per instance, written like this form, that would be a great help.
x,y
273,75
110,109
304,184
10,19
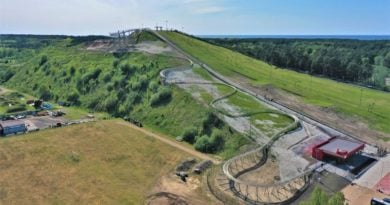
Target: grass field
x,y
95,163
373,108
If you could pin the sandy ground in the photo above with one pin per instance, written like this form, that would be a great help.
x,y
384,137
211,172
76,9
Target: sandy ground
x,y
3,90
360,195
151,47
170,190
266,174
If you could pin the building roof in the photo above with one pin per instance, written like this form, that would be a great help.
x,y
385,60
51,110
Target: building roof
x,y
341,148
10,123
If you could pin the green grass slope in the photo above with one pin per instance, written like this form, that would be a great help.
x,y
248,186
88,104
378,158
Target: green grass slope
x,y
374,107
126,84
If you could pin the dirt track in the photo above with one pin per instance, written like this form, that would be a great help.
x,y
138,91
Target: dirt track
x,y
172,143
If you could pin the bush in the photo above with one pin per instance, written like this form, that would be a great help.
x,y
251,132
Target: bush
x,y
17,108
5,75
44,93
115,63
73,97
153,86
319,197
127,69
163,96
189,135
110,103
72,71
43,60
202,144
210,144
107,77
210,121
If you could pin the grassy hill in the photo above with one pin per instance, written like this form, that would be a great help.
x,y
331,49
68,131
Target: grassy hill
x,y
374,108
96,163
60,68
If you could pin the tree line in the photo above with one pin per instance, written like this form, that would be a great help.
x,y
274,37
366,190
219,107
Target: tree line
x,y
362,62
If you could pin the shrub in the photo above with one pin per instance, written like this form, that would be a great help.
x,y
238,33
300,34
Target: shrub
x,y
189,135
210,144
16,108
115,63
127,69
72,71
210,121
5,75
163,96
110,103
202,144
153,86
107,77
43,60
44,93
320,197
73,97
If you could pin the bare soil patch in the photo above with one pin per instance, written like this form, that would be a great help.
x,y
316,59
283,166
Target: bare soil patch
x,y
266,174
360,195
170,190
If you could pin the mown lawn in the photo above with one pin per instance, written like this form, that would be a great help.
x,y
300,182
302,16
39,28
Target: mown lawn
x,y
374,108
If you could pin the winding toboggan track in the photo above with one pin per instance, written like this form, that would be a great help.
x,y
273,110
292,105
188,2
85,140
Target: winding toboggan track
x,y
282,192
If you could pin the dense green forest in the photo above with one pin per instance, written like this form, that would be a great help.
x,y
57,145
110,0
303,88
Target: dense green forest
x,y
60,69
361,62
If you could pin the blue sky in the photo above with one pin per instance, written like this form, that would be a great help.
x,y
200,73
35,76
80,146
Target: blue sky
x,y
311,17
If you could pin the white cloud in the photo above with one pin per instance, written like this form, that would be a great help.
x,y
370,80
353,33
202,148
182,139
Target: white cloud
x,y
210,10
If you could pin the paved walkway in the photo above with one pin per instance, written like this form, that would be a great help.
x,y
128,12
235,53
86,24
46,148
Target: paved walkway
x,y
375,173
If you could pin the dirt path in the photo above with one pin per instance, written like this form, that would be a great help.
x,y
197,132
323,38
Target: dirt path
x,y
3,90
172,143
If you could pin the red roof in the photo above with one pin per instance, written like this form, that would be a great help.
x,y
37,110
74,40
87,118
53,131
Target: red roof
x,y
341,148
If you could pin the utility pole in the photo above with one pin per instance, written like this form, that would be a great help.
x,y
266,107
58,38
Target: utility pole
x,y
166,25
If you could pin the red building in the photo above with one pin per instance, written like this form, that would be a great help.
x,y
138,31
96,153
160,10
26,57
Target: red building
x,y
336,147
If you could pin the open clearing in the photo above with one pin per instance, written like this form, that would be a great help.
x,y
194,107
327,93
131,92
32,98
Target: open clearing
x,y
95,163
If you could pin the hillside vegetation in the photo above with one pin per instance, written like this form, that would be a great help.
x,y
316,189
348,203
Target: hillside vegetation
x,y
363,62
370,106
60,69
95,163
